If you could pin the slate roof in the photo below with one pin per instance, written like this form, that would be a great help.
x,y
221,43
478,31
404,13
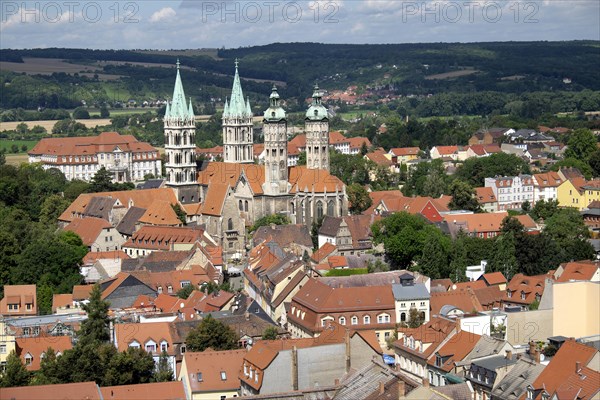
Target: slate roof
x,y
410,292
284,235
330,226
99,207
127,224
151,184
375,279
514,384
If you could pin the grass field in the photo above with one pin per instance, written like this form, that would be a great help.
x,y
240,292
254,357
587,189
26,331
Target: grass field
x,y
17,159
48,66
90,123
7,144
453,74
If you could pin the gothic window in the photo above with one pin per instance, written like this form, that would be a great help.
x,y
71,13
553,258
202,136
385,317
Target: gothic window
x,y
330,208
241,205
319,209
229,224
246,205
293,208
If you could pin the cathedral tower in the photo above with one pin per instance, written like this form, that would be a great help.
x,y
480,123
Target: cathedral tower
x,y
275,134
237,126
316,124
180,145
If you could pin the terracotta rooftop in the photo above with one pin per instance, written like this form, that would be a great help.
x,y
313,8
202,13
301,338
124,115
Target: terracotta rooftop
x,y
93,256
525,286
36,346
484,222
142,333
405,151
220,370
493,278
578,271
21,295
323,252
160,213
446,150
90,145
145,391
465,300
88,228
548,179
455,349
162,237
563,365
379,157
68,391
61,300
485,195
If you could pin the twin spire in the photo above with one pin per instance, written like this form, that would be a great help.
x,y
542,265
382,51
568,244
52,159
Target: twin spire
x,y
236,107
178,108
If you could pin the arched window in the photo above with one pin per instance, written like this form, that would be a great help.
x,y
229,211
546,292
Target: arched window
x,y
230,224
246,205
342,320
354,320
330,208
403,317
366,320
423,315
319,209
241,205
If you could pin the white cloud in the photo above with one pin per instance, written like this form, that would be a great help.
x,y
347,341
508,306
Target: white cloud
x,y
163,14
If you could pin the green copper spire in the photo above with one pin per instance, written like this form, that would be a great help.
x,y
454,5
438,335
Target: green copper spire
x,y
178,108
316,111
237,107
274,112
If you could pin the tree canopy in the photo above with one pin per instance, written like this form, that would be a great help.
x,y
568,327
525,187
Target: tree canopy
x,y
211,333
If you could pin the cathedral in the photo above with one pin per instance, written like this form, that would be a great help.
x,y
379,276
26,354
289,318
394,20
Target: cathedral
x,y
229,196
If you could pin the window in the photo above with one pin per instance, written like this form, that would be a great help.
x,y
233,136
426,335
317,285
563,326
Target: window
x,y
403,317
28,359
150,347
199,376
169,289
354,320
522,295
366,320
383,319
2,349
342,320
245,370
164,346
508,294
26,331
230,224
223,376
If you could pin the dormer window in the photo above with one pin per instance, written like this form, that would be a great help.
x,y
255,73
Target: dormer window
x,y
28,359
199,376
223,376
523,295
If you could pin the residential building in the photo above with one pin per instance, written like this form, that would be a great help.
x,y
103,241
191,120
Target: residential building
x,y
157,390
122,290
96,233
489,135
515,382
428,207
409,295
571,373
280,366
415,346
153,337
486,225
545,186
455,303
81,157
7,344
485,374
32,350
494,279
512,192
294,239
441,365
149,239
317,305
19,300
487,199
523,290
351,234
212,374
80,390
450,152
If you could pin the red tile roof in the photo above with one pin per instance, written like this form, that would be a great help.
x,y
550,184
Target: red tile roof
x,y
162,237
88,228
91,257
21,295
61,300
379,157
548,179
485,195
36,346
126,334
480,223
323,252
465,300
214,366
160,213
494,278
68,391
405,151
529,286
578,271
563,365
455,349
145,391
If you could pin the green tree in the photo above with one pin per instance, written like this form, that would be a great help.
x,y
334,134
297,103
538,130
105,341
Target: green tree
x,y
571,162
185,292
81,113
434,260
544,209
211,333
180,213
270,333
463,197
415,319
302,158
359,198
505,259
526,206
581,145
130,367
104,113
52,207
459,258
95,329
164,372
102,181
15,374
277,219
48,372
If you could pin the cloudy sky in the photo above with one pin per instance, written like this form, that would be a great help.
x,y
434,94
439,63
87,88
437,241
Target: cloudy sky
x,y
184,24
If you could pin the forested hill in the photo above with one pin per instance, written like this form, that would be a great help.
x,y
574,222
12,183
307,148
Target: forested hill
x,y
411,69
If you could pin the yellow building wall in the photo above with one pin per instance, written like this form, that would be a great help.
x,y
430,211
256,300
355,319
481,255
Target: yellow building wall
x,y
576,309
8,340
590,195
214,395
569,196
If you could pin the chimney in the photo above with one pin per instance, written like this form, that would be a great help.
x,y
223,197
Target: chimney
x,y
577,367
294,368
509,354
425,382
537,356
401,389
531,347
247,315
381,387
348,355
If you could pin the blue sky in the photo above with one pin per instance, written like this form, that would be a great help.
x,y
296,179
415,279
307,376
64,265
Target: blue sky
x,y
184,24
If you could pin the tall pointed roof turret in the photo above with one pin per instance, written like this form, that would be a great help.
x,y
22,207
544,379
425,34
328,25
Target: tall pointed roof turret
x,y
316,111
274,112
178,108
238,108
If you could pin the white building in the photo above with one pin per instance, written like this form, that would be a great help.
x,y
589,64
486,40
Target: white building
x,y
545,186
81,157
511,191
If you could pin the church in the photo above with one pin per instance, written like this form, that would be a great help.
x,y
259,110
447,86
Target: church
x,y
229,196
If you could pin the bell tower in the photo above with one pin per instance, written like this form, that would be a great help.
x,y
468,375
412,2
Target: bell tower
x,y
180,145
275,134
238,128
316,124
